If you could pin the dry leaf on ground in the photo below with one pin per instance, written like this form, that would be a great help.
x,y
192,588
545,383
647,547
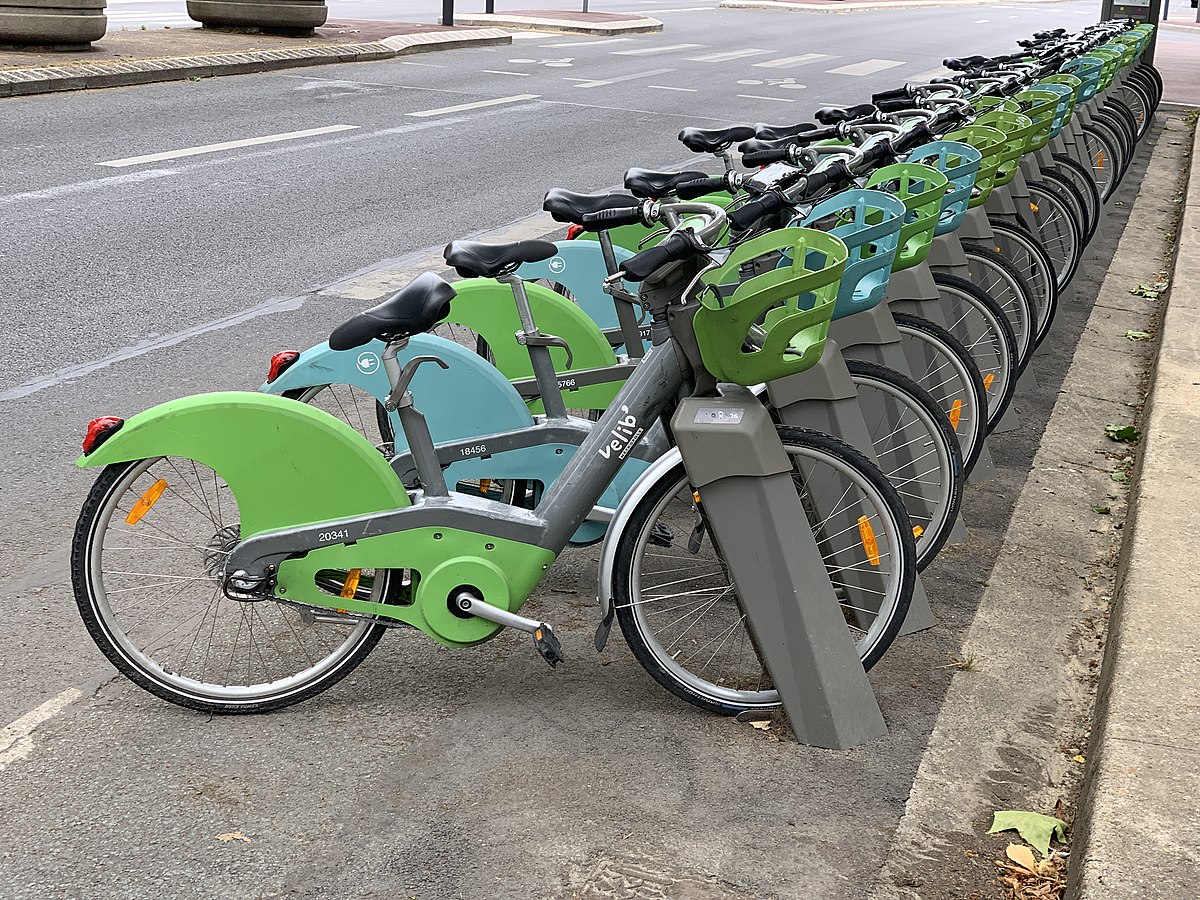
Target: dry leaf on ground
x,y
232,836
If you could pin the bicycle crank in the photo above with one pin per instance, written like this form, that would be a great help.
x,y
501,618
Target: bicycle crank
x,y
465,603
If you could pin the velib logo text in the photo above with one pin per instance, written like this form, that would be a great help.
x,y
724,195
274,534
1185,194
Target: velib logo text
x,y
623,436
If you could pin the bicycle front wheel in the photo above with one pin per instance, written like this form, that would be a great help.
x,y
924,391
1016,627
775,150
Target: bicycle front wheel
x,y
147,565
679,609
916,449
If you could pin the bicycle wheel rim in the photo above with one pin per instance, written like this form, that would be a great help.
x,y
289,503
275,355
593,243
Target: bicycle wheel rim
x,y
172,677
663,646
1027,257
1059,230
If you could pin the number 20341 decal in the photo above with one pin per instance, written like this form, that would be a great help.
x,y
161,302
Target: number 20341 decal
x,y
339,535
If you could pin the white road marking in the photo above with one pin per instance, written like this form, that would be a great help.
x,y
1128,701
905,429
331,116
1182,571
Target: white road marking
x,y
727,55
982,21
527,36
866,67
646,51
682,9
939,72
422,65
664,87
502,72
81,187
592,84
224,145
788,62
478,104
15,738
589,43
776,99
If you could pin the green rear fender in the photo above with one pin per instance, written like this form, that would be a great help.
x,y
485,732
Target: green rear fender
x,y
289,464
487,308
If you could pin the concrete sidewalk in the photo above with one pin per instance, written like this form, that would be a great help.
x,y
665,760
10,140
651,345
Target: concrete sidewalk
x,y
1138,833
564,21
160,54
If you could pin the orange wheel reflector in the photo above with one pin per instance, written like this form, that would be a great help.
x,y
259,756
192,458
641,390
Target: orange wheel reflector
x,y
1100,160
867,534
997,249
350,587
485,485
917,531
1033,206
146,501
696,496
988,379
955,414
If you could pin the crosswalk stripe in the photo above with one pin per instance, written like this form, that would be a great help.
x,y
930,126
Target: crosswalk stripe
x,y
866,67
603,81
788,62
646,51
727,55
589,43
921,77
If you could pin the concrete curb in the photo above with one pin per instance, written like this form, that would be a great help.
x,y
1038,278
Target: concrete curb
x,y
863,7
639,25
1138,833
1014,720
86,76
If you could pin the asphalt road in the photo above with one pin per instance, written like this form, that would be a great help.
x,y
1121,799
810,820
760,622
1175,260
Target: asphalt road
x,y
428,773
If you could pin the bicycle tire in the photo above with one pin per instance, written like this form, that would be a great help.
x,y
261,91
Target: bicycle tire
x,y
1023,251
945,370
1003,281
904,469
992,341
633,614
1060,229
169,682
1071,171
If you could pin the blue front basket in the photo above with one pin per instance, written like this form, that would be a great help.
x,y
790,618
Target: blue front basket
x,y
868,222
960,164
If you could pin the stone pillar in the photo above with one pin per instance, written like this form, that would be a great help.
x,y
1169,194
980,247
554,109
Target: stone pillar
x,y
65,24
293,17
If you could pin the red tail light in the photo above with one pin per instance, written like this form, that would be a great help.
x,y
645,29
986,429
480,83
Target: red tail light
x,y
280,363
100,430
574,231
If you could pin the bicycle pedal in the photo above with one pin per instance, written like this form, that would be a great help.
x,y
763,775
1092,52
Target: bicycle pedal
x,y
547,645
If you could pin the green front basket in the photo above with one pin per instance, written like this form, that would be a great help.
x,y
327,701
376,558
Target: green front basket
x,y
788,309
920,188
1017,130
1040,107
989,142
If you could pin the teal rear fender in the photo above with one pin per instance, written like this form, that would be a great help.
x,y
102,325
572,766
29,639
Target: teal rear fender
x,y
286,463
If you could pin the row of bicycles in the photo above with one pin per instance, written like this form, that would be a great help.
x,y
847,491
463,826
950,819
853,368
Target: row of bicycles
x,y
877,280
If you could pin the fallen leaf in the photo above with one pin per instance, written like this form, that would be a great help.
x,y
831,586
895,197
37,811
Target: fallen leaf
x,y
1022,856
1128,434
1101,510
1120,477
764,725
1138,335
232,836
1080,758
1033,827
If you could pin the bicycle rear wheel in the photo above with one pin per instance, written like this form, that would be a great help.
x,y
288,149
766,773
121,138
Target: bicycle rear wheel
x,y
1060,228
678,607
147,566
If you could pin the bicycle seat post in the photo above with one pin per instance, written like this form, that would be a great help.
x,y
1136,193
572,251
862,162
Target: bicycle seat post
x,y
539,350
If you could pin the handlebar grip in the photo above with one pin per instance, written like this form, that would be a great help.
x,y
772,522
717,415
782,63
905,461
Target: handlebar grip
x,y
897,94
611,218
744,217
830,175
912,138
761,157
690,190
895,105
675,248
